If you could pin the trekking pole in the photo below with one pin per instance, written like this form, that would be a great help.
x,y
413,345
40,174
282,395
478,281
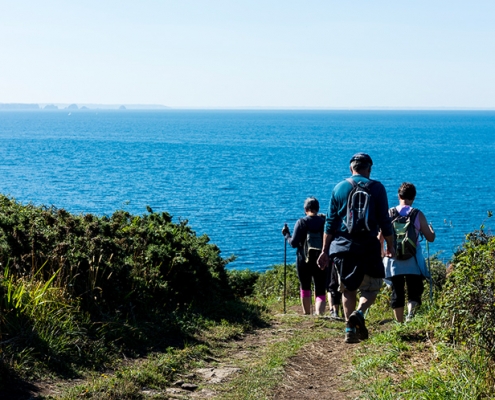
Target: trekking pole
x,y
285,268
429,272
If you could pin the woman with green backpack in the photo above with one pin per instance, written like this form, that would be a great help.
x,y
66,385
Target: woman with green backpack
x,y
408,267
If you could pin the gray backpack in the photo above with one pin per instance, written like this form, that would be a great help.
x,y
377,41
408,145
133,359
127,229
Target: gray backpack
x,y
358,206
313,244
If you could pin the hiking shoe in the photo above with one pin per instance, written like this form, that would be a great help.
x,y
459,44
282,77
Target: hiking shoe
x,y
356,320
335,316
409,317
351,336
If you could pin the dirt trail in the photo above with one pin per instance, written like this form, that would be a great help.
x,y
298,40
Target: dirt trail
x,y
317,371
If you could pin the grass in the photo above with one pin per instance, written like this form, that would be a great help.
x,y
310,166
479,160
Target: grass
x,y
448,350
116,341
156,372
408,362
260,378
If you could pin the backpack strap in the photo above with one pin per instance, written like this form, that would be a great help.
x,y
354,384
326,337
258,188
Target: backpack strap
x,y
413,214
393,213
354,183
306,230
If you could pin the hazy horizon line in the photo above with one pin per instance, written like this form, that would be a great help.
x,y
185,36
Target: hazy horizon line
x,y
144,106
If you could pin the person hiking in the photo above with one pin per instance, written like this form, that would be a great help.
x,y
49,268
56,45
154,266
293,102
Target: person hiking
x,y
408,267
307,270
334,294
358,210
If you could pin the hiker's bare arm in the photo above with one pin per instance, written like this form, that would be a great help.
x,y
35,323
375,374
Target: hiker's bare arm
x,y
426,230
323,258
382,242
390,252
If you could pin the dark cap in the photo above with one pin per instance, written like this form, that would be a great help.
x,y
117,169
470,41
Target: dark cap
x,y
361,158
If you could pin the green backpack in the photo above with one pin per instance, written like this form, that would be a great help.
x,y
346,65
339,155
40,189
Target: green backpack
x,y
405,235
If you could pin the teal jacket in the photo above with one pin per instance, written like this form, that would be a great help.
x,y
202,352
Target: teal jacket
x,y
378,218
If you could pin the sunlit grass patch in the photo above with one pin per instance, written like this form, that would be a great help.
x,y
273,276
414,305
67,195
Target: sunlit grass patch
x,y
404,363
43,327
260,377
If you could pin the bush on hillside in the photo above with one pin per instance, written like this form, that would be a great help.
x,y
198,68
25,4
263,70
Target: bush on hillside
x,y
438,273
270,284
130,264
468,298
242,282
76,289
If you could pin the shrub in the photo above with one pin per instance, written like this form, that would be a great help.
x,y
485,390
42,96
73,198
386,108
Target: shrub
x,y
242,282
469,294
270,284
77,289
438,273
134,264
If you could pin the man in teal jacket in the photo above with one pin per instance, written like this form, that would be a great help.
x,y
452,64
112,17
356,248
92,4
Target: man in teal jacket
x,y
357,256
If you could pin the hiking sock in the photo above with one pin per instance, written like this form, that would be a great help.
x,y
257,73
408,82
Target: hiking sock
x,y
351,335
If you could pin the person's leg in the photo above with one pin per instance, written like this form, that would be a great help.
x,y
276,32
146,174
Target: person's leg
x,y
398,297
320,305
351,278
349,302
304,276
399,314
319,279
415,288
369,290
370,287
334,304
369,265
334,295
306,301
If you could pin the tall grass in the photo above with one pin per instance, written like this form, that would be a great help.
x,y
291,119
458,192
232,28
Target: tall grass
x,y
41,326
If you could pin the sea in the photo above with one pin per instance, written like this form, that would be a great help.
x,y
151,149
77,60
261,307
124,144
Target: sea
x,y
239,175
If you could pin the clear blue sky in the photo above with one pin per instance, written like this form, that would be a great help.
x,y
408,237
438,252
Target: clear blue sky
x,y
239,53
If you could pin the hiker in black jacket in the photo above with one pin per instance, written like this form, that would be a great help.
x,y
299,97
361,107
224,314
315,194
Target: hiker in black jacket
x,y
307,268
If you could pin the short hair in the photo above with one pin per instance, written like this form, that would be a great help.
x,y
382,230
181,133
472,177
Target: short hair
x,y
407,191
311,204
360,161
359,166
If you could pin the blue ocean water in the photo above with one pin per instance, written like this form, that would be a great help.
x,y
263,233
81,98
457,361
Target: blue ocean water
x,y
238,176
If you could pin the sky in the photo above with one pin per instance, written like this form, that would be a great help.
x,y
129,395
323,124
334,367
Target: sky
x,y
239,53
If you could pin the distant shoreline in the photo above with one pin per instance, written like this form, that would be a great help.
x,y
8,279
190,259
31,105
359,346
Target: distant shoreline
x,y
77,107
159,107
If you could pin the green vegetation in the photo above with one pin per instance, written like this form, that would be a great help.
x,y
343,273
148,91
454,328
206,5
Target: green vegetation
x,y
79,291
447,351
126,303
